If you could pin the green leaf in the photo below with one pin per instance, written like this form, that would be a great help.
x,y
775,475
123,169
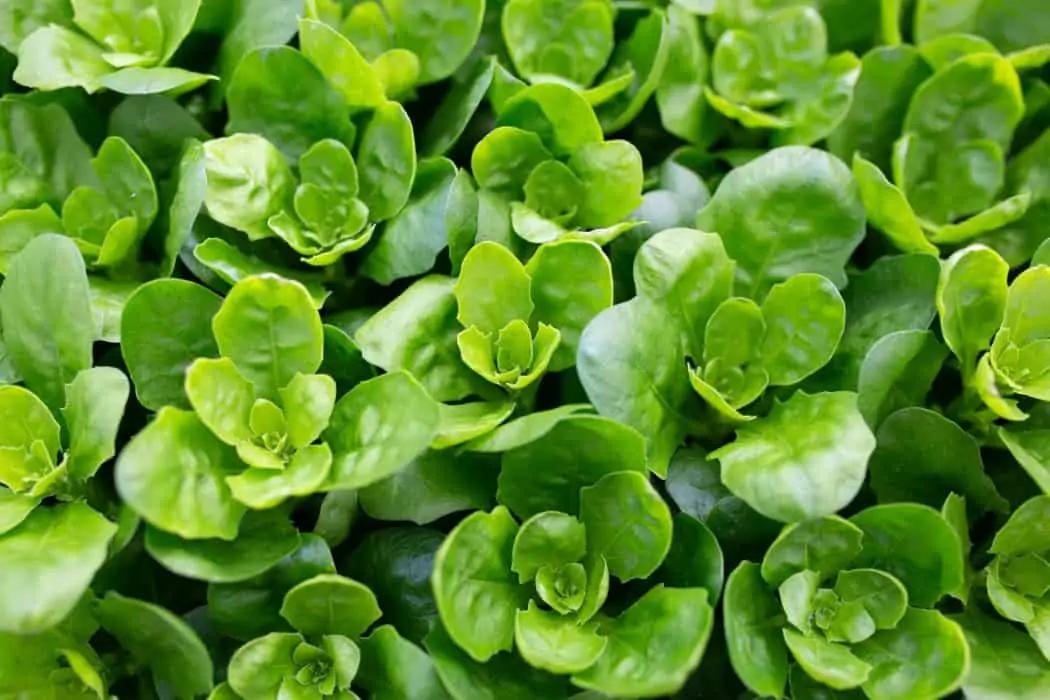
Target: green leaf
x,y
417,333
304,474
341,63
468,422
451,118
1022,533
386,161
35,173
523,430
493,289
675,623
432,486
925,656
270,329
440,32
820,241
27,421
247,609
476,591
54,57
22,17
127,182
1004,660
1031,449
1018,349
249,181
757,649
559,115
556,643
264,538
259,667
308,401
998,216
680,94
888,209
95,401
278,93
785,472
823,546
645,53
548,474
611,174
695,559
897,373
882,596
14,508
547,539
805,317
437,208
557,271
928,567
330,604
894,294
971,301
165,325
158,639
960,122
393,668
572,41
46,315
19,226
49,561
136,80
233,266
378,428
504,159
922,457
627,523
831,664
504,677
173,474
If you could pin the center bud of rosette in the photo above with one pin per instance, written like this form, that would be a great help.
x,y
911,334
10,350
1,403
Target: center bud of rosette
x,y
563,588
513,357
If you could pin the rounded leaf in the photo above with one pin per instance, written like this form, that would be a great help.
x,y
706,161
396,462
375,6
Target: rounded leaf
x,y
929,567
653,646
48,562
270,329
805,317
330,604
548,474
265,537
378,428
547,539
757,650
924,657
770,244
477,594
554,642
628,524
160,640
173,475
805,460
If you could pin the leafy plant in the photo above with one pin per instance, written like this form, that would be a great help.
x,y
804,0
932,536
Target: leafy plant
x,y
838,597
124,48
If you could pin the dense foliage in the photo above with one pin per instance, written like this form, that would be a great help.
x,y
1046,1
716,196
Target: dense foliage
x,y
524,349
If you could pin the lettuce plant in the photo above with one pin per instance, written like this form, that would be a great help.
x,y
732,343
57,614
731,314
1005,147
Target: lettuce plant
x,y
121,47
847,603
